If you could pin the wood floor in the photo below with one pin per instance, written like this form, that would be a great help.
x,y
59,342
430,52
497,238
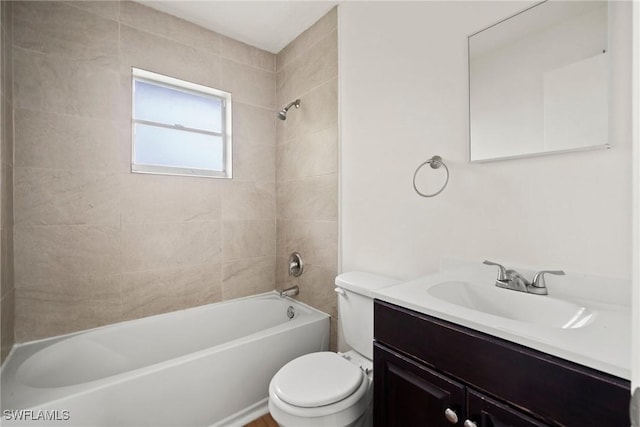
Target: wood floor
x,y
263,421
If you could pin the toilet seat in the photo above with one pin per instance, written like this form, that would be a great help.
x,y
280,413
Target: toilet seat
x,y
317,379
340,412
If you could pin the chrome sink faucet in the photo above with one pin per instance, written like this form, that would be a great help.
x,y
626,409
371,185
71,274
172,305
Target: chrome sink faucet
x,y
511,279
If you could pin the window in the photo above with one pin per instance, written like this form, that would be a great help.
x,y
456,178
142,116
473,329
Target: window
x,y
180,128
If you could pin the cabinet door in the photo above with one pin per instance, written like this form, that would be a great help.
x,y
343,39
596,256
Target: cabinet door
x,y
486,412
408,394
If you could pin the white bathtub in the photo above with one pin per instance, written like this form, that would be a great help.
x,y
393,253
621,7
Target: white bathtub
x,y
208,365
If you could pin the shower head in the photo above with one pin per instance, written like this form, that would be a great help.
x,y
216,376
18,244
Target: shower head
x,y
282,114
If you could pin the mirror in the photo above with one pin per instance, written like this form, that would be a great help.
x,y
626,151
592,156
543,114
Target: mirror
x,y
539,82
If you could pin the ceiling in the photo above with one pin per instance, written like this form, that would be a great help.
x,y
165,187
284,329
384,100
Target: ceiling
x,y
268,25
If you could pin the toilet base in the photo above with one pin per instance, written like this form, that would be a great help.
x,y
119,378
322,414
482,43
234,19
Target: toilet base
x,y
365,420
357,415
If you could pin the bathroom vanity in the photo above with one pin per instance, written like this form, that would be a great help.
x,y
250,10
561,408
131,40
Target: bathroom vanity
x,y
437,363
430,372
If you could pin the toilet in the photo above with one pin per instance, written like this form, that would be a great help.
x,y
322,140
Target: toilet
x,y
333,389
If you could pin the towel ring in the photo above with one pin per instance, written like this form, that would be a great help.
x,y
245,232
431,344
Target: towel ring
x,y
435,162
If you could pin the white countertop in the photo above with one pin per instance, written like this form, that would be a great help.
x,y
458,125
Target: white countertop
x,y
604,344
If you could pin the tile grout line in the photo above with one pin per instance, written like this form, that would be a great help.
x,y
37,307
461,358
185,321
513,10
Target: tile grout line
x,y
308,48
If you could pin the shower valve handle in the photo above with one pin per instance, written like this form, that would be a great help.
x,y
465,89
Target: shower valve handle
x,y
296,266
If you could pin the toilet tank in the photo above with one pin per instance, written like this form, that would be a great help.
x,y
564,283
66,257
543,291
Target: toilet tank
x,y
355,308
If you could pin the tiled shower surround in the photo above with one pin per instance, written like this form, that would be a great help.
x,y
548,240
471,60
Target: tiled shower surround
x,y
307,164
96,244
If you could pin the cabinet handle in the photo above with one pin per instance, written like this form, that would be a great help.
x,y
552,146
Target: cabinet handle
x,y
451,415
469,423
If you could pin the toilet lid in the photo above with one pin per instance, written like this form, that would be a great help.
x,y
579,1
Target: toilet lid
x,y
317,379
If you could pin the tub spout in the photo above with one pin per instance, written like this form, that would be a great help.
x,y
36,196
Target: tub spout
x,y
290,292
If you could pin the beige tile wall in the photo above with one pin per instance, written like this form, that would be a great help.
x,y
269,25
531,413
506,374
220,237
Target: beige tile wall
x,y
95,244
307,164
7,293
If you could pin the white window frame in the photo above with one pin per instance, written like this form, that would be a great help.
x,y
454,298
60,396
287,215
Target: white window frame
x,y
196,89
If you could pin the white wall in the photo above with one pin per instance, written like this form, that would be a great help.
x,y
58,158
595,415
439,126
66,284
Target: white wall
x,y
403,96
635,368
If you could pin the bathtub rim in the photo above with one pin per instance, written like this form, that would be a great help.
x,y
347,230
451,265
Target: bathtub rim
x,y
123,322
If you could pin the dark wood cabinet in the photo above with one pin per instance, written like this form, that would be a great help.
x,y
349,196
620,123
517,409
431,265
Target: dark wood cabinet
x,y
424,366
414,395
486,412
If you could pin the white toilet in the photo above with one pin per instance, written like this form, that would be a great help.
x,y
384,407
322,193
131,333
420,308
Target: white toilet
x,y
333,389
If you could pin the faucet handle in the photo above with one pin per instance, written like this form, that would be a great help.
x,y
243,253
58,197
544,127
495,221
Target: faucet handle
x,y
538,278
502,273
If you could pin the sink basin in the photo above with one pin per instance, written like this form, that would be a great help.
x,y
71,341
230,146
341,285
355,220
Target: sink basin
x,y
514,305
584,319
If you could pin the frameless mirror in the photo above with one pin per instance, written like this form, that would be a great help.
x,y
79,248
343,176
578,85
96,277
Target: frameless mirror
x,y
539,82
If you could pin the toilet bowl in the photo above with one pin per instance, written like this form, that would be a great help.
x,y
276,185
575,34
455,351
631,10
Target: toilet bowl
x,y
333,389
323,389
